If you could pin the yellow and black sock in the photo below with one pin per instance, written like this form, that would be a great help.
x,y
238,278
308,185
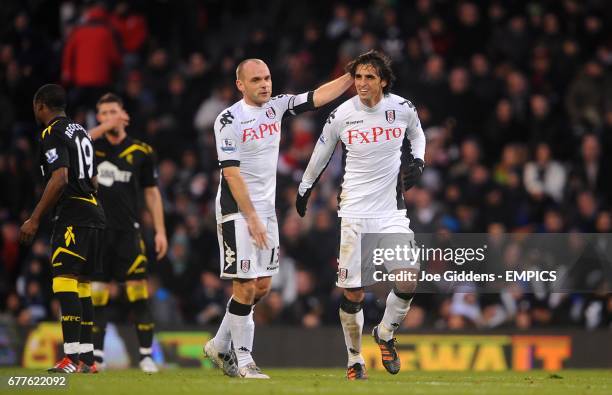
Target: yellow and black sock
x,y
99,297
66,292
138,297
86,347
144,326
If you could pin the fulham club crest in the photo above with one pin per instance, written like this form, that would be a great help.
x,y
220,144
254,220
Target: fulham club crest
x,y
390,115
245,265
270,113
342,274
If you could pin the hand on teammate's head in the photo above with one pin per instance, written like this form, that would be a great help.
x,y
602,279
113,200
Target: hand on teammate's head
x,y
350,66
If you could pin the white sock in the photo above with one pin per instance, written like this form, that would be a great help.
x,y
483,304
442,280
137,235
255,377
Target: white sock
x,y
145,351
352,326
71,348
243,331
223,338
395,312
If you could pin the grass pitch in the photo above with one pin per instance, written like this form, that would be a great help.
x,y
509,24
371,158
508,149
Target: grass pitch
x,y
323,381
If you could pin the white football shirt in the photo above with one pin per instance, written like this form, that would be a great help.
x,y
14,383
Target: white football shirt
x,y
249,137
375,143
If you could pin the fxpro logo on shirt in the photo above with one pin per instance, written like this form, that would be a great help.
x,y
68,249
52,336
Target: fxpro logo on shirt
x,y
373,135
108,174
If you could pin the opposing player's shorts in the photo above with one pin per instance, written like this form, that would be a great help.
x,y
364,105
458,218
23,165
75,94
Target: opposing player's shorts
x,y
240,257
123,256
355,264
75,250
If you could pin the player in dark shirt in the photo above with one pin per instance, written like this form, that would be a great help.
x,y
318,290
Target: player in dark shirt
x,y
67,163
126,168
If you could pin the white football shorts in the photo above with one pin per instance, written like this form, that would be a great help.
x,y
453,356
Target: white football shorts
x,y
240,257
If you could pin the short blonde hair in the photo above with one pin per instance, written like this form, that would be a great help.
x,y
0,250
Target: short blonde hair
x,y
241,65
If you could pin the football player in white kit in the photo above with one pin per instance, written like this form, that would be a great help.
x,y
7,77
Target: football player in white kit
x,y
383,145
247,135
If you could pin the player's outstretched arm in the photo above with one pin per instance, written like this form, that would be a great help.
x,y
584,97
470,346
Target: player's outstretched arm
x,y
241,194
52,193
331,90
154,205
318,162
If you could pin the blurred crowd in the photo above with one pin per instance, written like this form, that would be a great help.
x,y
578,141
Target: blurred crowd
x,y
515,99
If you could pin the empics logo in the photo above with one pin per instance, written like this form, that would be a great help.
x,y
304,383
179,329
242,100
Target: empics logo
x,y
51,155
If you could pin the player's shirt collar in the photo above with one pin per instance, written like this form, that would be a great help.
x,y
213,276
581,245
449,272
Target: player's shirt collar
x,y
47,129
247,106
104,144
57,118
365,108
126,140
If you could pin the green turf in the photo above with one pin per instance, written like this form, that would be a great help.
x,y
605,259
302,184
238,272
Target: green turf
x,y
327,381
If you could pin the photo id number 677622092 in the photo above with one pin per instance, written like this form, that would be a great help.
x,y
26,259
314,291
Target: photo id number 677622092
x,y
34,381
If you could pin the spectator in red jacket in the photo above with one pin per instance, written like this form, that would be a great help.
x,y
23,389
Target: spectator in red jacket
x,y
90,56
131,26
